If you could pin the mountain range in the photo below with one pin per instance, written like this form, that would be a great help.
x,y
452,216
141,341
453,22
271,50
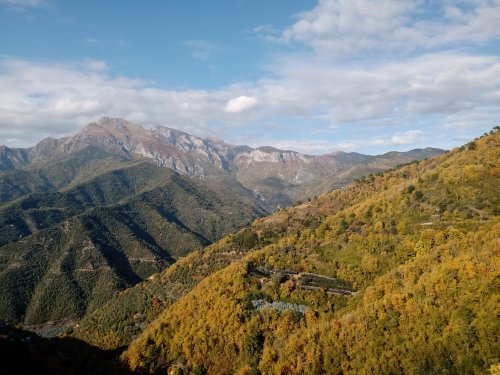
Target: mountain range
x,y
278,177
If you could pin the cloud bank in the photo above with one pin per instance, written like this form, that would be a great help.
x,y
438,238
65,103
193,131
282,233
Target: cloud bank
x,y
419,79
347,26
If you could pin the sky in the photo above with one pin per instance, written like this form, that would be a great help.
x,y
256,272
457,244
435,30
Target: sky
x,y
370,76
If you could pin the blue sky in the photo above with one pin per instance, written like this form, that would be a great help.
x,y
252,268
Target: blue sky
x,y
313,76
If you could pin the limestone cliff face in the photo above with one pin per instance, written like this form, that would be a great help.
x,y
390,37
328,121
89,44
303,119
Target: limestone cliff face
x,y
271,155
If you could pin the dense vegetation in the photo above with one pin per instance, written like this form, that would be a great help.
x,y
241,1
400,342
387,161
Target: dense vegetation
x,y
64,253
419,244
56,173
120,320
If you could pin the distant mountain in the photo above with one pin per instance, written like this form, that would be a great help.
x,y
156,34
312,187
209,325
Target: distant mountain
x,y
278,177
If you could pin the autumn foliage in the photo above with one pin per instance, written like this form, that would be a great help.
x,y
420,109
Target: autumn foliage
x,y
419,245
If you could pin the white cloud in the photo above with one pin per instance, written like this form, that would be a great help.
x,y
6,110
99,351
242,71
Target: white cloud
x,y
409,139
240,104
393,92
24,3
345,27
406,138
40,99
56,99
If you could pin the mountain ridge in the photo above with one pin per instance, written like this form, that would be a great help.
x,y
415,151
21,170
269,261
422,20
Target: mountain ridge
x,y
278,177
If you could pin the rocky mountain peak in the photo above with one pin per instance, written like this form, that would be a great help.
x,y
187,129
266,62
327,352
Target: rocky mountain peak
x,y
116,127
113,121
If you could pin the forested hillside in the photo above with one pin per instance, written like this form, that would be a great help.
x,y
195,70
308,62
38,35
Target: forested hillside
x,y
64,253
397,273
58,172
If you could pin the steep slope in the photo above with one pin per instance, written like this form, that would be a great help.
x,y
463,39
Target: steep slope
x,y
12,158
60,172
66,253
418,245
120,320
278,177
41,210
